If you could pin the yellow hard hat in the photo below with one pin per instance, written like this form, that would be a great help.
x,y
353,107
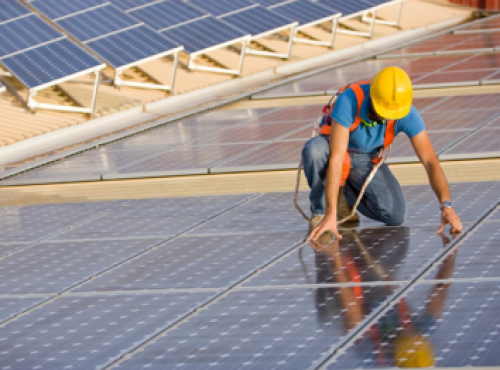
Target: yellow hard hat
x,y
391,93
413,350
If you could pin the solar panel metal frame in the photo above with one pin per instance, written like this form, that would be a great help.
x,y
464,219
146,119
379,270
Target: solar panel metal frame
x,y
29,102
465,30
192,56
373,19
291,26
334,18
117,80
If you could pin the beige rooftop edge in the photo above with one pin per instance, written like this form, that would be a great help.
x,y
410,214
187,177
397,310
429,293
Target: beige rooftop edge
x,y
24,136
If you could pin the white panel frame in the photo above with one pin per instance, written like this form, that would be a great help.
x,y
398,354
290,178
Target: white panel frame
x,y
291,27
335,22
236,72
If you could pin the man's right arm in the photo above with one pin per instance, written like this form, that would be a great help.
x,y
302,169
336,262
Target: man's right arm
x,y
339,140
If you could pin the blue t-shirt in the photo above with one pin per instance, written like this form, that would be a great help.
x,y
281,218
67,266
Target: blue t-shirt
x,y
369,139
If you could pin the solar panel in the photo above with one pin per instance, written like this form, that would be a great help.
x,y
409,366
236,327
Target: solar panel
x,y
90,331
55,9
31,272
491,23
15,305
130,4
167,13
345,7
173,264
203,33
131,46
96,22
256,20
268,3
454,325
219,7
47,63
24,33
303,11
11,9
484,141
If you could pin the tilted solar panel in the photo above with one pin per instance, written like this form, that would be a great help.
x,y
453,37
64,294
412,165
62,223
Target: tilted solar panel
x,y
267,3
50,62
303,11
130,4
130,46
11,9
167,13
24,33
256,20
54,9
96,22
220,7
345,7
203,33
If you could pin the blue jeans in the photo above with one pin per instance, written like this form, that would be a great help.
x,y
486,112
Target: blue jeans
x,y
383,200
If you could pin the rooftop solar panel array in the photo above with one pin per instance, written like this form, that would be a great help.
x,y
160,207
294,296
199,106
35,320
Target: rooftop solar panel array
x,y
302,11
100,298
12,9
220,7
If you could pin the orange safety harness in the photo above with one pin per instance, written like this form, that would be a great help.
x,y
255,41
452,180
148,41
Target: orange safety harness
x,y
326,128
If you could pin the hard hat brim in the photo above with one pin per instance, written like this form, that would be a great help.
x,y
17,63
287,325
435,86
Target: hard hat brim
x,y
391,113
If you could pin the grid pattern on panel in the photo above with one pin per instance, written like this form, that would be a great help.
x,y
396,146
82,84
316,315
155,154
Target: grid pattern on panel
x,y
49,63
87,332
203,33
256,20
130,4
96,22
167,13
196,262
450,78
494,124
269,3
484,140
187,158
402,147
130,46
481,41
30,223
368,254
345,7
477,62
52,267
468,102
303,11
431,45
475,258
220,7
160,218
255,330
15,305
25,33
11,9
487,23
55,9
457,323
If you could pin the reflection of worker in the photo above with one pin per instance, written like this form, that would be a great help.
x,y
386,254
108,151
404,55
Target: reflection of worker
x,y
365,118
395,339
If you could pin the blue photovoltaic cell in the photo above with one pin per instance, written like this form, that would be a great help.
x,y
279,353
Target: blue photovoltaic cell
x,y
25,33
130,46
303,11
219,7
166,14
267,3
203,33
130,4
345,7
54,9
256,20
96,22
49,62
11,9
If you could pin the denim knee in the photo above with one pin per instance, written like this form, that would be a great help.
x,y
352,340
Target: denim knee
x,y
316,149
396,217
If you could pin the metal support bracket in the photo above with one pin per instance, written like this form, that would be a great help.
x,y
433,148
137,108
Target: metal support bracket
x,y
272,54
335,21
367,19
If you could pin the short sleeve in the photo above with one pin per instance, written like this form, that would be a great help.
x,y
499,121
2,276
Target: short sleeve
x,y
345,109
412,124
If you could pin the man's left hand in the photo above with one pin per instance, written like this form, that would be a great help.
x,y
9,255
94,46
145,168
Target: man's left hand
x,y
449,216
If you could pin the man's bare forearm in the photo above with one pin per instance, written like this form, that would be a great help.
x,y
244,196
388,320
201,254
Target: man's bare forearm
x,y
438,181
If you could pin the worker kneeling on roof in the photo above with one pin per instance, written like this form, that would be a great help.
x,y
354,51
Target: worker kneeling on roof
x,y
365,119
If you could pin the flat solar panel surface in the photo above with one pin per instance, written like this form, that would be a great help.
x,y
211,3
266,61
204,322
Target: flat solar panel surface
x,y
160,15
485,140
303,11
54,9
130,4
486,24
345,7
11,9
268,3
203,33
96,22
49,62
256,20
225,282
24,33
130,46
220,7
